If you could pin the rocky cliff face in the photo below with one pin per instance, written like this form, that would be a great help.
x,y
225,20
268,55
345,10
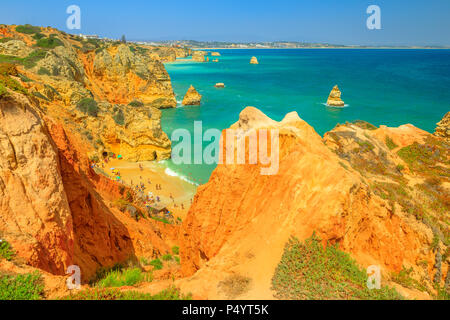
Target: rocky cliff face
x,y
119,83
241,220
443,127
54,209
56,108
34,209
147,80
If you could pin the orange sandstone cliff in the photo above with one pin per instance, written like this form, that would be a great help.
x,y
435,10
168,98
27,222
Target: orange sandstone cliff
x,y
241,220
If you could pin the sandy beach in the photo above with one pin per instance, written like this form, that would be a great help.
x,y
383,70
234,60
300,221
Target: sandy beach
x,y
176,194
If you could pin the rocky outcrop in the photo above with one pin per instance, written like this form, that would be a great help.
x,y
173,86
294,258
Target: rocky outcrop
x,y
215,54
53,206
112,75
132,131
168,54
334,99
34,210
145,79
192,97
15,48
240,213
443,127
199,56
254,60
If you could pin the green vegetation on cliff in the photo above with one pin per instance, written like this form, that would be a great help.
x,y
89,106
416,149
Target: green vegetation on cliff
x,y
49,43
21,287
28,62
6,251
6,71
171,293
310,271
124,277
28,29
88,106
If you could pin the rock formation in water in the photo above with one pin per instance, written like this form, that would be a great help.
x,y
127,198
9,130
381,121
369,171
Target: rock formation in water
x,y
254,60
348,188
215,54
199,56
443,127
192,97
334,100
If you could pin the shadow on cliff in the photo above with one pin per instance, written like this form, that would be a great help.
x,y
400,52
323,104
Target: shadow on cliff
x,y
99,238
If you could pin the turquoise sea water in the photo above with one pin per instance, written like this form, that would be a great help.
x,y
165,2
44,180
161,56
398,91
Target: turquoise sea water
x,y
390,87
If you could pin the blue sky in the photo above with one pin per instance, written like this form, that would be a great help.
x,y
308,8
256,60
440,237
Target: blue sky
x,y
413,22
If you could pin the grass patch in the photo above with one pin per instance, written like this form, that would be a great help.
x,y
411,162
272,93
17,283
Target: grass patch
x,y
176,250
121,278
33,58
4,40
234,286
136,104
171,293
365,146
38,36
3,91
156,264
88,106
6,250
163,220
21,287
364,125
28,29
28,62
308,270
40,95
44,72
404,278
119,118
426,159
49,43
6,81
390,143
167,257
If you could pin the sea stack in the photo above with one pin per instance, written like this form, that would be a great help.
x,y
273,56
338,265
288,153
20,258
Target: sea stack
x,y
443,127
215,54
334,100
192,97
254,61
199,56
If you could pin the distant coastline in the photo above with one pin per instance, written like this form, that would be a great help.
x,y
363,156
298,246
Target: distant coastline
x,y
343,48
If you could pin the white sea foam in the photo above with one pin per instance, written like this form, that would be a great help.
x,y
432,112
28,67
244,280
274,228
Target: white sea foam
x,y
344,106
172,173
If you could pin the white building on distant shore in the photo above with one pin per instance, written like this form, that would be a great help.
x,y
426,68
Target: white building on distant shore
x,y
85,36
